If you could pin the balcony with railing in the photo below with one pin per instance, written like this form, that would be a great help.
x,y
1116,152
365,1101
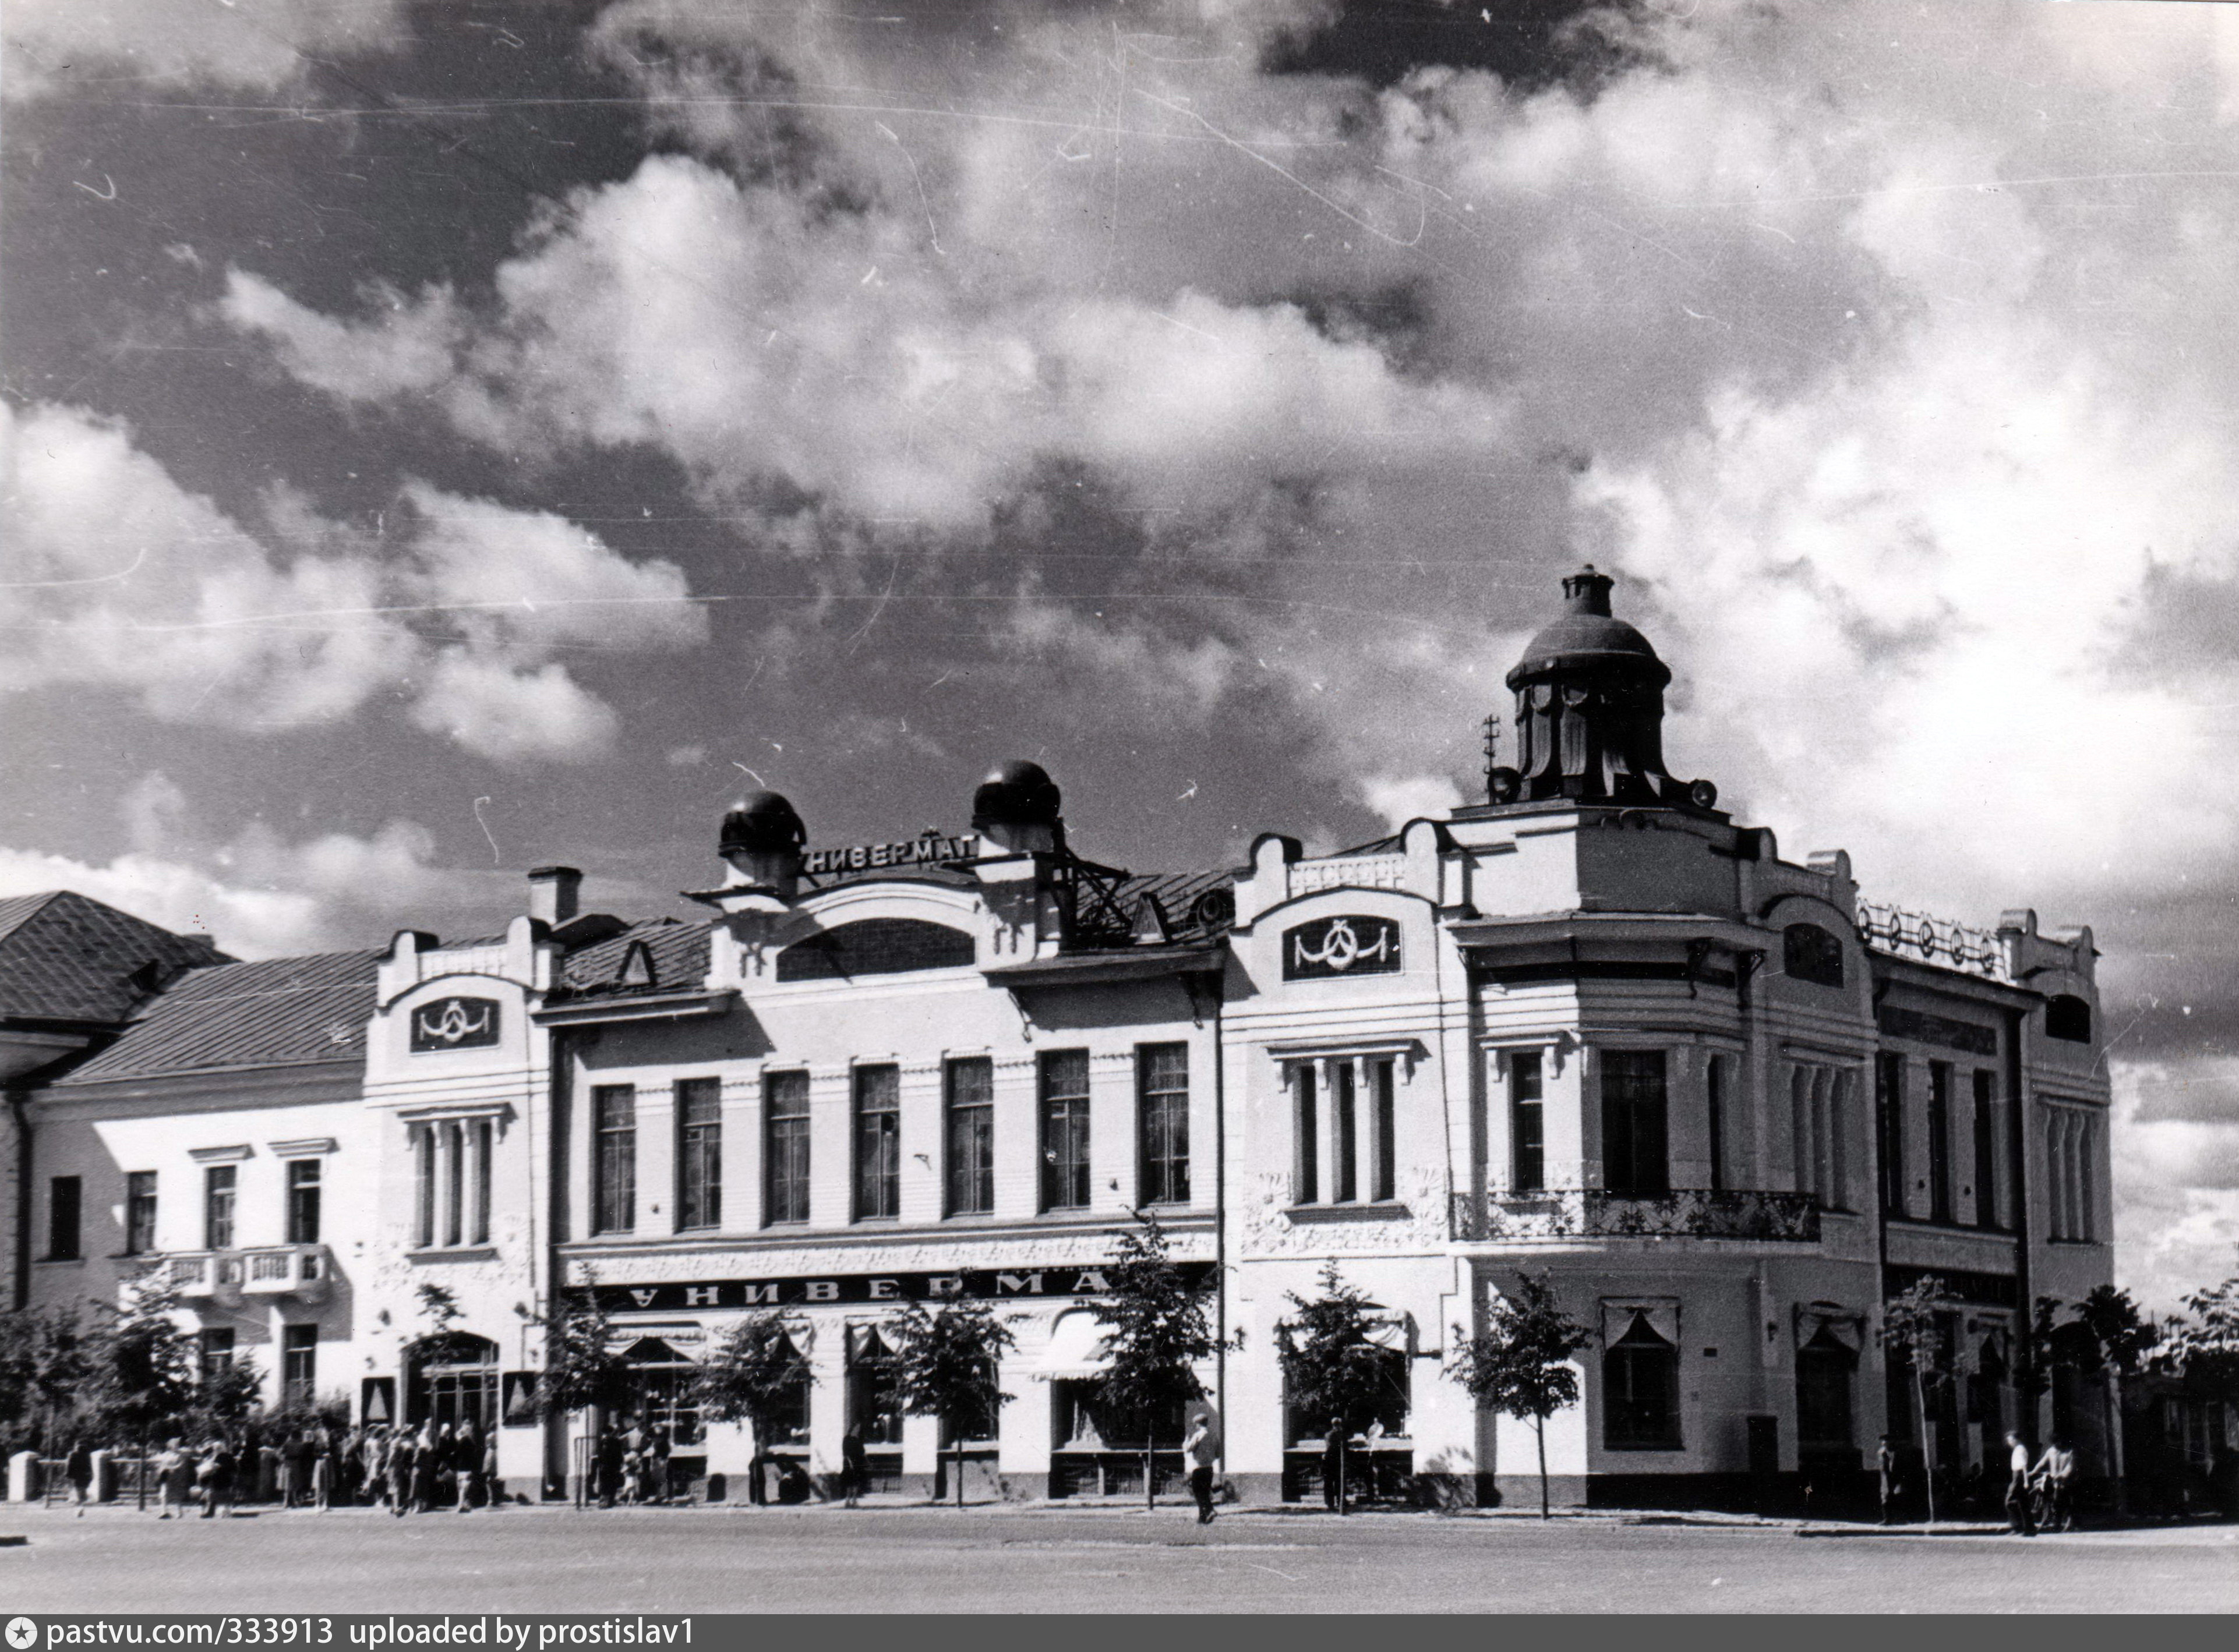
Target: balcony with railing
x,y
1570,1213
300,1270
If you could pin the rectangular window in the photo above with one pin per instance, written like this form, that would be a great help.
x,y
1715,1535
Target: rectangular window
x,y
1987,1178
303,1175
1162,1098
1527,1126
214,1353
1714,1102
699,1153
1306,1160
1065,1130
139,1212
969,1111
1345,1114
63,1206
614,1159
423,1175
1635,1162
481,1134
1888,1129
299,1364
454,1183
219,1184
1383,1081
1939,1141
785,1152
878,1142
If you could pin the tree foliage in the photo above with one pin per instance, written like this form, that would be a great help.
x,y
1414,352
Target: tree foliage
x,y
946,1361
1519,1365
45,1361
1333,1370
2203,1346
1160,1331
581,1367
757,1373
1916,1327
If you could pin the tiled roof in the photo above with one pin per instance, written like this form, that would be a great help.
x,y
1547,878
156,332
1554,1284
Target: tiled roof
x,y
283,1011
66,957
676,950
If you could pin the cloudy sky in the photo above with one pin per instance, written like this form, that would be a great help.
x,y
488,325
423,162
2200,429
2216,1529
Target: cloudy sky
x,y
441,438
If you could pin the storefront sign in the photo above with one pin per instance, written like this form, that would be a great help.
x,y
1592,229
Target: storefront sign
x,y
454,1024
1350,946
930,850
970,1284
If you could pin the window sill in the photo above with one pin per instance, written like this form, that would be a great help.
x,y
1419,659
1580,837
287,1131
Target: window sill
x,y
454,1253
1379,1211
1673,1449
51,1262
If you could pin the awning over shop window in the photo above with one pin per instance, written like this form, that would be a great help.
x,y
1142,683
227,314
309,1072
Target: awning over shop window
x,y
1818,1320
656,1345
1397,1334
1620,1314
1076,1348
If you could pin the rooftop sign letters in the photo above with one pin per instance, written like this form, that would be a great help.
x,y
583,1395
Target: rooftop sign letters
x,y
929,850
972,1284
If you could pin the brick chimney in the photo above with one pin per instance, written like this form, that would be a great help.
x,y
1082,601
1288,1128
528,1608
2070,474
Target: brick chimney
x,y
551,893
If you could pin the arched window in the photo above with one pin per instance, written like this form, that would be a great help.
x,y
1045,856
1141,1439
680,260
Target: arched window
x,y
2068,1018
1640,1391
452,1378
875,946
1809,953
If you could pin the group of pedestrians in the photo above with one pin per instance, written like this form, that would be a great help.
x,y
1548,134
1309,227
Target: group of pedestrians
x,y
2039,1495
419,1471
632,1464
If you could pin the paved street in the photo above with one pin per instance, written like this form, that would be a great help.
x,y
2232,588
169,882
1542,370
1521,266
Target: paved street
x,y
918,1559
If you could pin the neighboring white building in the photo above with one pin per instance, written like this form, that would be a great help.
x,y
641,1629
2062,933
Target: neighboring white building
x,y
1590,1028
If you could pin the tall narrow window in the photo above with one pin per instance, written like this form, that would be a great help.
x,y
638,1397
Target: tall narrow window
x,y
1939,1141
1527,1126
1345,1114
1636,1161
64,1205
1383,1084
878,1142
303,1201
699,1153
1640,1398
1162,1098
480,1136
2086,1201
614,1159
139,1212
299,1364
1064,1076
219,1184
971,1135
1714,1101
1987,1178
1306,1160
1888,1129
785,1100
454,1145
213,1353
423,1186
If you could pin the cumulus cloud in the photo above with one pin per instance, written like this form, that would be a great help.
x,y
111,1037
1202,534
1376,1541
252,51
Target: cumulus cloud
x,y
125,579
50,45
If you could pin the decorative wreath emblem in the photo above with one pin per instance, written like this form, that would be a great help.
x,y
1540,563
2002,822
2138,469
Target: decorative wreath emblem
x,y
1353,944
454,1024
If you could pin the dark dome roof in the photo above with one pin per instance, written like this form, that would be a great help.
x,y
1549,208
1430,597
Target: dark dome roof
x,y
1016,793
1586,635
762,824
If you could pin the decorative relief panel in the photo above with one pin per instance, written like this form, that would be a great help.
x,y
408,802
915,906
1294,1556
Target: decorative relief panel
x,y
1350,944
454,1024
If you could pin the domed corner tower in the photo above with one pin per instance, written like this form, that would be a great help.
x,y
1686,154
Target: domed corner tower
x,y
1018,809
1590,712
761,842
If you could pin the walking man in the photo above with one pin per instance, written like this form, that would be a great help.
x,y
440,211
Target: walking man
x,y
2019,1517
1334,1466
172,1479
79,1468
1201,1446
854,1466
1885,1466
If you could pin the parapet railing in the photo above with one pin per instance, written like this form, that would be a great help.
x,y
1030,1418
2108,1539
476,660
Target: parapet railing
x,y
1592,1213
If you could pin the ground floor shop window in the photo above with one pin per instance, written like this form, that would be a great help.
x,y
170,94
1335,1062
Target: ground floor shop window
x,y
452,1379
1824,1424
1098,1451
1380,1455
1640,1391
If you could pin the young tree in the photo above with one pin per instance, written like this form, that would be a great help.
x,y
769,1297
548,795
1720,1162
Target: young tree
x,y
757,1373
140,1367
945,1365
1160,1331
2122,1340
1520,1364
1914,1326
582,1372
44,1356
1333,1370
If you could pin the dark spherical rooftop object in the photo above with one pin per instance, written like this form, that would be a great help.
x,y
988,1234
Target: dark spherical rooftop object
x,y
1587,634
1017,793
762,824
